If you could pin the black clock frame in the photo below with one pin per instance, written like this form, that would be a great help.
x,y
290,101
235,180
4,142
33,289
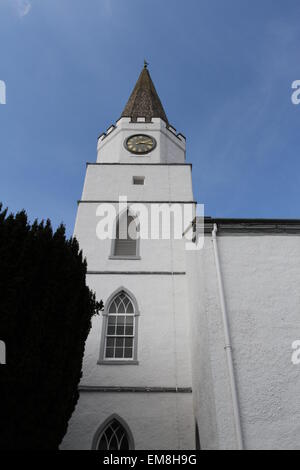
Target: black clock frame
x,y
140,135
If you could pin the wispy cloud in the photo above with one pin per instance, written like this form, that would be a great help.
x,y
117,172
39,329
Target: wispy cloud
x,y
23,7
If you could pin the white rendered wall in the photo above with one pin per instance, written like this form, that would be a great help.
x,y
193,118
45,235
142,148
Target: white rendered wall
x,y
162,182
170,147
261,278
158,282
163,347
156,255
157,421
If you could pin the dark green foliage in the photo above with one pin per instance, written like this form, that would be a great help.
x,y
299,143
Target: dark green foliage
x,y
45,317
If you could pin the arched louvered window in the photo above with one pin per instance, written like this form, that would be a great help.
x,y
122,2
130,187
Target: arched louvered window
x,y
126,242
114,434
119,338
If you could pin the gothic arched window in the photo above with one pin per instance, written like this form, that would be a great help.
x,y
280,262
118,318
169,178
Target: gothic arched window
x,y
113,437
114,434
126,242
119,335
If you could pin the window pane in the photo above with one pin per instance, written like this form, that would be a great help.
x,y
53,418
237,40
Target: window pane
x,y
119,352
115,425
119,342
121,308
109,352
124,443
113,444
111,330
128,352
103,444
129,320
129,330
120,330
121,320
110,342
130,308
128,342
113,307
112,319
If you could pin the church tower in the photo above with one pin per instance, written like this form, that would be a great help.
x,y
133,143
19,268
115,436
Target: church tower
x,y
136,388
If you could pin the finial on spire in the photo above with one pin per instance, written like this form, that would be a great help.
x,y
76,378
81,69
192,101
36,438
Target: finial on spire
x,y
146,64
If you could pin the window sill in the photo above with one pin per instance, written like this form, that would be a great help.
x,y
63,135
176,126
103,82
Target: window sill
x,y
118,363
125,257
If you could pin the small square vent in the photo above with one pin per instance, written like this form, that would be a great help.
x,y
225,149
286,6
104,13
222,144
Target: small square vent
x,y
139,180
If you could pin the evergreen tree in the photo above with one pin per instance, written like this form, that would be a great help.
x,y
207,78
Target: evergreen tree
x,y
45,317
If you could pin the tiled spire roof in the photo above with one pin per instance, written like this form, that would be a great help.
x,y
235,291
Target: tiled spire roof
x,y
144,100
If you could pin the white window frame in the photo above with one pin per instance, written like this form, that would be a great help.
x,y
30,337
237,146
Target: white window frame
x,y
103,360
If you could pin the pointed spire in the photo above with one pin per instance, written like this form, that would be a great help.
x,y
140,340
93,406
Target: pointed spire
x,y
144,100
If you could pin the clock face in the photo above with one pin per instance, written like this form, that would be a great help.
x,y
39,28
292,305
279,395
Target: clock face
x,y
140,144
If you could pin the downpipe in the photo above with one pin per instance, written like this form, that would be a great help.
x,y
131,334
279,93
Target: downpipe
x,y
228,346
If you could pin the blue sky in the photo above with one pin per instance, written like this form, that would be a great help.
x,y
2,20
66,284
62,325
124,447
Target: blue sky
x,y
223,70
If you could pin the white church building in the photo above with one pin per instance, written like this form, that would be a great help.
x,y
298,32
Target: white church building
x,y
194,348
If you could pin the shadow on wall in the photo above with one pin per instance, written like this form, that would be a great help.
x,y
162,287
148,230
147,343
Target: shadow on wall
x,y
198,445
